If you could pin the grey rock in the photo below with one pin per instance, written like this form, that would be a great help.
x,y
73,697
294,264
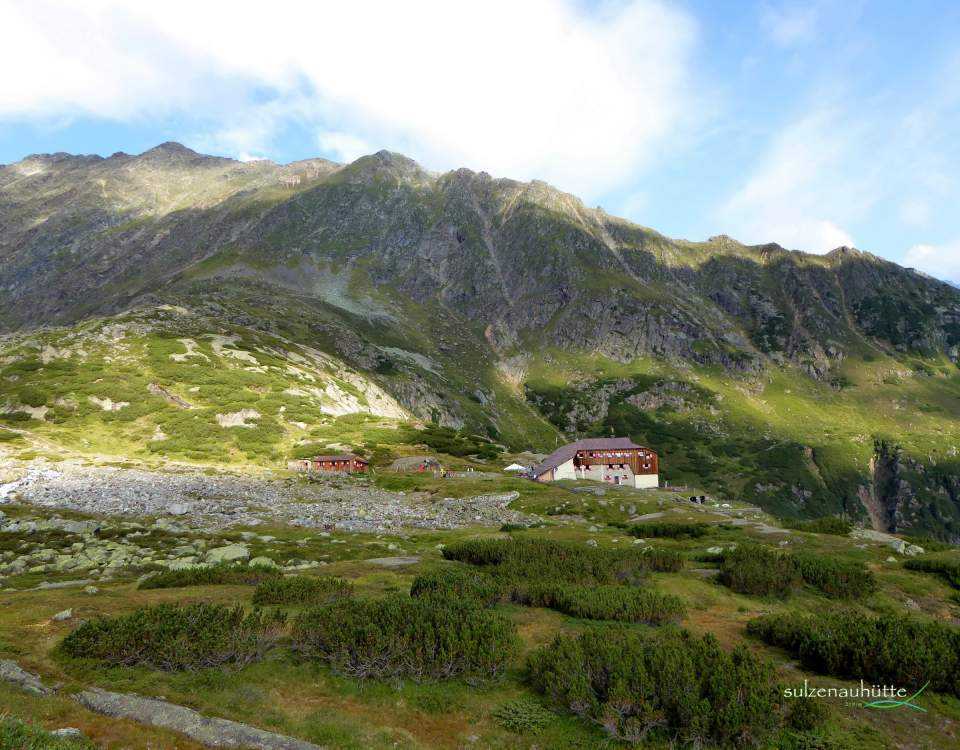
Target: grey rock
x,y
12,673
230,553
212,732
64,615
63,584
67,733
393,562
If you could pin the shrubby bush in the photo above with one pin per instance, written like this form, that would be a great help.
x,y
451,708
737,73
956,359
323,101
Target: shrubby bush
x,y
458,582
760,571
301,590
888,649
595,602
400,636
763,571
824,525
668,686
534,559
524,716
172,637
837,578
670,530
947,568
236,575
623,603
450,441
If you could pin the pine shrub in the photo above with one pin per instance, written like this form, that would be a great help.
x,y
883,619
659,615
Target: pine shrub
x,y
763,571
534,559
233,575
622,603
889,649
302,590
172,637
670,530
760,571
667,687
459,582
524,716
948,568
417,637
837,578
823,525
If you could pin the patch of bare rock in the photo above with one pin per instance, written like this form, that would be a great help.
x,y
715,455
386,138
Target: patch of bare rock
x,y
211,732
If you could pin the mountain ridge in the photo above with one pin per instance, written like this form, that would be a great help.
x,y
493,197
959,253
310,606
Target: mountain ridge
x,y
504,308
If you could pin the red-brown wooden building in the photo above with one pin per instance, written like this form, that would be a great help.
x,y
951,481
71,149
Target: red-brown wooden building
x,y
346,463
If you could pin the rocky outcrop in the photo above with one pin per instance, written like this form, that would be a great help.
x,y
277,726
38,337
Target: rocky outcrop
x,y
212,732
14,674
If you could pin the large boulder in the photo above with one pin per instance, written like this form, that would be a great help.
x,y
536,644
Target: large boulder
x,y
228,554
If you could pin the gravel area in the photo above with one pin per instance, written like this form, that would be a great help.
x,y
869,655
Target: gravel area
x,y
212,501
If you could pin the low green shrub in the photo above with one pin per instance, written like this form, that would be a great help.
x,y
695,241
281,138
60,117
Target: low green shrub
x,y
426,637
837,578
763,571
807,714
172,637
597,602
759,571
233,575
524,716
670,530
948,568
534,559
622,603
668,687
824,525
301,590
928,543
19,735
454,582
889,649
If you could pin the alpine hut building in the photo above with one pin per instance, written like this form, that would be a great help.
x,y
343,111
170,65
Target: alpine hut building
x,y
345,463
610,460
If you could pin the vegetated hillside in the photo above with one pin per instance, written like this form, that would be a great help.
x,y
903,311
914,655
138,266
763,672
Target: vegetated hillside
x,y
808,384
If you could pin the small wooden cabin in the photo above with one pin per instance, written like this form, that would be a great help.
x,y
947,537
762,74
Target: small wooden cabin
x,y
346,463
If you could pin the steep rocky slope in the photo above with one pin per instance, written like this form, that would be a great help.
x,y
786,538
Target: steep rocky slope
x,y
506,308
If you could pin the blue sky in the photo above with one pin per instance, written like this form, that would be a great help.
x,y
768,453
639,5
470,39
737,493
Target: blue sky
x,y
811,124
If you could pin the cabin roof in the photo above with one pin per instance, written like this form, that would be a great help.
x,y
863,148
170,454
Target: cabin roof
x,y
340,457
565,452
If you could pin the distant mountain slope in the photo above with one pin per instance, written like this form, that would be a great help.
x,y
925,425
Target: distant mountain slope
x,y
496,305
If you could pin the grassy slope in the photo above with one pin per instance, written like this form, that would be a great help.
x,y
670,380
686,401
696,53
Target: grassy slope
x,y
734,434
284,695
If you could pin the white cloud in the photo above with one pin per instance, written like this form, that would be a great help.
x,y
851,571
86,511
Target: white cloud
x,y
791,23
344,147
853,168
941,261
532,89
790,197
